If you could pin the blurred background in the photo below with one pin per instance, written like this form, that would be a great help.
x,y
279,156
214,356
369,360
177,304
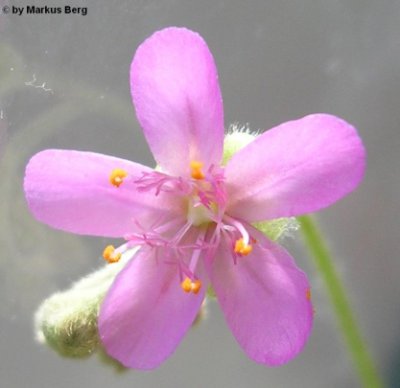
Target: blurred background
x,y
64,84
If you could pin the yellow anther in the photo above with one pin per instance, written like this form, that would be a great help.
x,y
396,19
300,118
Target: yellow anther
x,y
117,176
196,169
191,286
242,248
110,255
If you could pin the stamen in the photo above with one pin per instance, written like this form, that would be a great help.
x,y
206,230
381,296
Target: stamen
x,y
110,255
191,286
159,182
196,285
242,248
186,285
196,169
308,294
117,176
242,245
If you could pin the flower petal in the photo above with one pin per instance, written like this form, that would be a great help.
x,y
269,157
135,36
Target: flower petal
x,y
70,190
175,90
298,167
146,313
265,299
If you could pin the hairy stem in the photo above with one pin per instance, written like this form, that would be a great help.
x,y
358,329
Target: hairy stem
x,y
350,330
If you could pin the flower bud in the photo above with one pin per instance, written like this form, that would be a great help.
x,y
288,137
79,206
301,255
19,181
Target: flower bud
x,y
67,321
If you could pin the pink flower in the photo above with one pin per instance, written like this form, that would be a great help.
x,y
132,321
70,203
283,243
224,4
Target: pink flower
x,y
191,216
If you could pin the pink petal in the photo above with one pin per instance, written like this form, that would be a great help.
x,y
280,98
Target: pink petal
x,y
70,190
265,300
146,313
175,90
298,167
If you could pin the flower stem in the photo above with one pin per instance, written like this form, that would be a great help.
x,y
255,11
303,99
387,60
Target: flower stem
x,y
356,345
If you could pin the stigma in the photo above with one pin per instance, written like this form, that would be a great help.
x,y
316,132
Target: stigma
x,y
117,176
242,248
110,255
196,171
189,285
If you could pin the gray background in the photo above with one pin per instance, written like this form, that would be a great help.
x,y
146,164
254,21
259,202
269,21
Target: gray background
x,y
277,60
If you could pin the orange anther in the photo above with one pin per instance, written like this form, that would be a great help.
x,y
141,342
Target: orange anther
x,y
242,248
110,255
117,176
196,169
186,285
196,285
308,294
191,286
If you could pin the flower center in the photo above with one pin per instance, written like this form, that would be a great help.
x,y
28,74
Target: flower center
x,y
198,214
182,241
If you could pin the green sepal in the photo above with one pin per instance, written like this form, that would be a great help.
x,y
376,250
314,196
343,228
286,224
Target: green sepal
x,y
236,139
